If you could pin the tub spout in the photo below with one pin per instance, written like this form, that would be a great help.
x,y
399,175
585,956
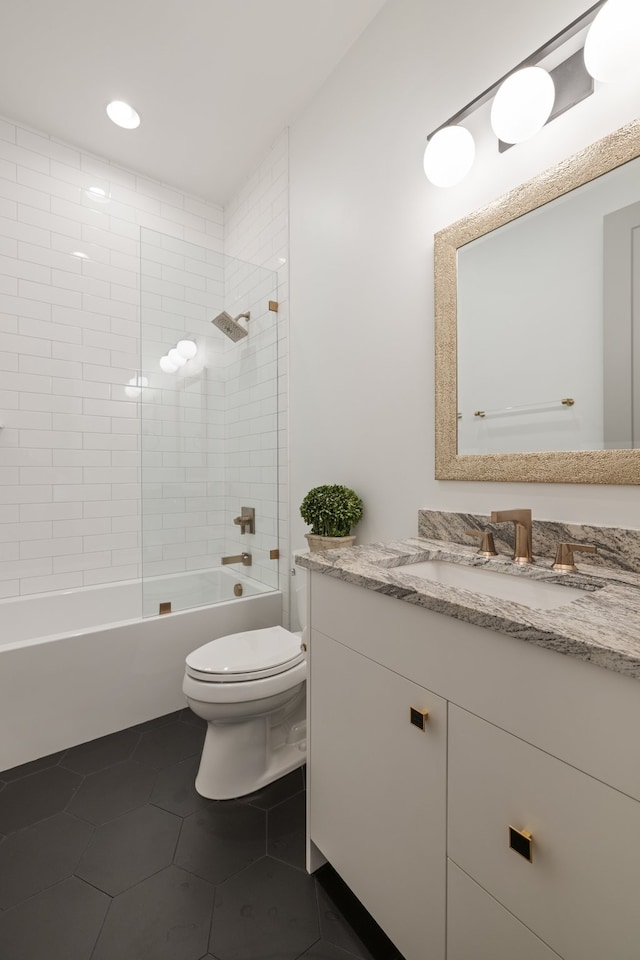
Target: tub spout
x,y
243,558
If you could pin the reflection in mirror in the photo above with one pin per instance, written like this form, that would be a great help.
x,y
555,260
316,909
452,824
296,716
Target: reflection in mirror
x,y
530,297
535,307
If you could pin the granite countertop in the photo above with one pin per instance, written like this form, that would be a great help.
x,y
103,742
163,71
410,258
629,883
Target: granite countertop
x,y
602,626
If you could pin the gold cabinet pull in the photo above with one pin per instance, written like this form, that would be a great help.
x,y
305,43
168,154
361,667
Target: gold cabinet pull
x,y
419,718
522,842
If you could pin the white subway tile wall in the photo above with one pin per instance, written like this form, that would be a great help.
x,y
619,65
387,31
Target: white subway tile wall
x,y
70,505
257,231
101,480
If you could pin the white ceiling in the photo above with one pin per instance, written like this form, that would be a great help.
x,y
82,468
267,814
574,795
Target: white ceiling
x,y
215,81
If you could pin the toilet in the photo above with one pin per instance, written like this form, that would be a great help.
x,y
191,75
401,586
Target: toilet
x,y
250,687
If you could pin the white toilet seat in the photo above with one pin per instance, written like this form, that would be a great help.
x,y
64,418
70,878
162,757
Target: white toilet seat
x,y
248,656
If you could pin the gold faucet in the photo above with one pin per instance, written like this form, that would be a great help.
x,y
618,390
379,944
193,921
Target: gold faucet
x,y
523,552
243,558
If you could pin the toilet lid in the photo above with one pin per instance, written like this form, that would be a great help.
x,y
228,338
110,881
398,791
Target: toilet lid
x,y
246,656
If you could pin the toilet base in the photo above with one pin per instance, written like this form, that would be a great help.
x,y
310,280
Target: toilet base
x,y
240,757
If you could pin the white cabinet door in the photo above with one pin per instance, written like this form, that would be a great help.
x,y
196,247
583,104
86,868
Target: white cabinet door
x,y
377,792
479,928
580,891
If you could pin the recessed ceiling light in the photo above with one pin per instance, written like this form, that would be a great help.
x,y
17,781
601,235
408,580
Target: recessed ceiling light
x,y
122,114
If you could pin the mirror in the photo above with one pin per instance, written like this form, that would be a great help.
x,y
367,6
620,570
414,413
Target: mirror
x,y
534,314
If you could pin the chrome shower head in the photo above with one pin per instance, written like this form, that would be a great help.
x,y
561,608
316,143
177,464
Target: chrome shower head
x,y
230,326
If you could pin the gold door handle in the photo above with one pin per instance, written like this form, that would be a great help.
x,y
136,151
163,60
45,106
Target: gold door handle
x,y
522,842
418,718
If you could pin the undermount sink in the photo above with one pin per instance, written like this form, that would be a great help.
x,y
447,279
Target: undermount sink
x,y
536,594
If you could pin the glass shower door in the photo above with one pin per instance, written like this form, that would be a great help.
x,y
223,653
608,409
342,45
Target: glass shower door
x,y
209,426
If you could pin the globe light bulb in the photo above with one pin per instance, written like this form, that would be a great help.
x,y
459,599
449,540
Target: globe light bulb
x,y
449,156
522,105
611,47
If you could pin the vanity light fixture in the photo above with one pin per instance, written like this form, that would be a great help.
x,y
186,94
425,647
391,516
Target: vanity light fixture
x,y
533,93
123,114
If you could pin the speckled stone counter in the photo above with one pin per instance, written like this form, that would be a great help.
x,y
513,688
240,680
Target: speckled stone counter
x,y
601,626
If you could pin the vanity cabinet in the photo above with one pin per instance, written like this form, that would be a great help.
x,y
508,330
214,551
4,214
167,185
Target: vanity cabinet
x,y
480,928
377,791
517,736
580,892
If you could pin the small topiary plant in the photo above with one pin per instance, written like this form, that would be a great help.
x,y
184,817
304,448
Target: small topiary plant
x,y
332,510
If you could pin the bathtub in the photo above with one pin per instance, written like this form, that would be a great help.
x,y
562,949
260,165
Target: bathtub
x,y
79,664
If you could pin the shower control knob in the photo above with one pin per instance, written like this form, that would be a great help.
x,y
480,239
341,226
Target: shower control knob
x,y
246,520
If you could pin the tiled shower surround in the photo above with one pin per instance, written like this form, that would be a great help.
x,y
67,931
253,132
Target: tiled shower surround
x,y
71,341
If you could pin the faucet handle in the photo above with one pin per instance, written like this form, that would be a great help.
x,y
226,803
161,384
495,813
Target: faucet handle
x,y
487,546
564,555
246,520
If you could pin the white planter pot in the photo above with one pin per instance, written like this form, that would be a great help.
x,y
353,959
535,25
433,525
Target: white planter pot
x,y
317,543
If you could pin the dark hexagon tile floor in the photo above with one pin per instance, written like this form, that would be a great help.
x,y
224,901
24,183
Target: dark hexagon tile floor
x,y
268,910
109,793
222,840
286,831
108,853
35,797
98,754
166,917
129,849
169,744
61,923
41,855
175,790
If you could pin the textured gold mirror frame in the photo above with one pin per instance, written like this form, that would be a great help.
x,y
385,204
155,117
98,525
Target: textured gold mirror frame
x,y
583,466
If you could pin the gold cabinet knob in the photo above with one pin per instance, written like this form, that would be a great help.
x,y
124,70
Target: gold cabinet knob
x,y
522,842
418,718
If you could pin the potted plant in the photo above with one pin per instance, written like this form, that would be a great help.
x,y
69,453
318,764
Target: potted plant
x,y
332,510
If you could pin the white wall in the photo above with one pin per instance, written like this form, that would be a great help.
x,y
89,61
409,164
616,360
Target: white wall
x,y
363,218
69,344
